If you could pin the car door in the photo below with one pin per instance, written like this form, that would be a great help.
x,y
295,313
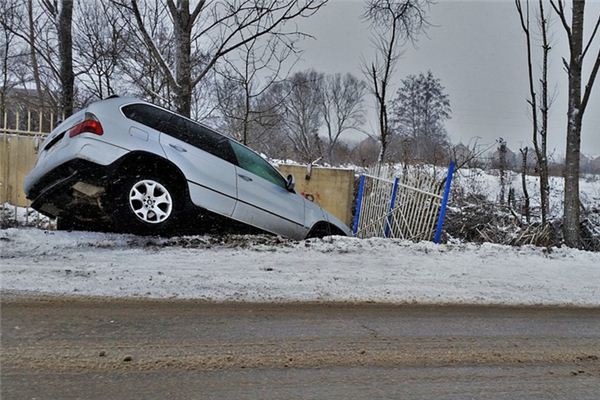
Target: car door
x,y
263,199
205,157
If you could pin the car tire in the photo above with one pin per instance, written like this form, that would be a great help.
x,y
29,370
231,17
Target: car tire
x,y
147,204
322,229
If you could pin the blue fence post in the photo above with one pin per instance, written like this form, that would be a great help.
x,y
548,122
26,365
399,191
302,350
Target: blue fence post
x,y
440,223
386,230
361,188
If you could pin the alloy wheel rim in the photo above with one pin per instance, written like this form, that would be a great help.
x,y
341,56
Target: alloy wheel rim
x,y
150,201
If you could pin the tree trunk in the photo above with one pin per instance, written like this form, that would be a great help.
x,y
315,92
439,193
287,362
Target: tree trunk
x,y
542,153
183,66
4,88
246,113
571,204
525,211
34,63
383,129
502,170
65,49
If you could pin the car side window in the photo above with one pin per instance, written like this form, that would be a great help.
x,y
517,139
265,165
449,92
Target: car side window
x,y
182,129
209,141
252,162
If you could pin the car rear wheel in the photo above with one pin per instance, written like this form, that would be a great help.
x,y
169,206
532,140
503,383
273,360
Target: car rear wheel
x,y
150,201
147,204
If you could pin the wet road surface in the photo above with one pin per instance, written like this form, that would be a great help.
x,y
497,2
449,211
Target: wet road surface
x,y
138,349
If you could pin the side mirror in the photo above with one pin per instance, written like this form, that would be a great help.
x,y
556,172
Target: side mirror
x,y
290,183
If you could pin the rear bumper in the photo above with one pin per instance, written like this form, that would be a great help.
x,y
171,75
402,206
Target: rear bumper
x,y
53,193
68,150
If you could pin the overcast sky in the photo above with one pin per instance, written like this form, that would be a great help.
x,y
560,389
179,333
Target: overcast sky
x,y
477,49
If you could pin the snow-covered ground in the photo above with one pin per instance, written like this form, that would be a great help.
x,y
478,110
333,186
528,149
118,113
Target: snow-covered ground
x,y
263,268
11,216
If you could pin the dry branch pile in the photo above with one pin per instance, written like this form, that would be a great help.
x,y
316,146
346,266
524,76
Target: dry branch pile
x,y
484,221
481,221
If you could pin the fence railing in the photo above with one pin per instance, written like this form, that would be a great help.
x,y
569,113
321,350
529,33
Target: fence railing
x,y
410,206
29,123
13,216
21,133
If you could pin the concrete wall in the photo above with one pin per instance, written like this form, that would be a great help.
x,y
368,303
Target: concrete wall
x,y
331,188
17,157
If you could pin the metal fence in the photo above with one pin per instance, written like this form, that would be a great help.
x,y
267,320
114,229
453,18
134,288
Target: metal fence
x,y
410,206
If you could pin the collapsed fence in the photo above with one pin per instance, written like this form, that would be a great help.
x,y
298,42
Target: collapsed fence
x,y
410,206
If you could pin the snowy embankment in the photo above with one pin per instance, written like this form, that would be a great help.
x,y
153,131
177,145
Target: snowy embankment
x,y
262,268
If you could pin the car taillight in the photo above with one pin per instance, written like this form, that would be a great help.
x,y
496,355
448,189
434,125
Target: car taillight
x,y
89,125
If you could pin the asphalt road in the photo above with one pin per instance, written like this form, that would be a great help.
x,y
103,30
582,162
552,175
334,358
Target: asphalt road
x,y
125,349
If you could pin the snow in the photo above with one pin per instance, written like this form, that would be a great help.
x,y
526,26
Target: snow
x,y
270,269
11,215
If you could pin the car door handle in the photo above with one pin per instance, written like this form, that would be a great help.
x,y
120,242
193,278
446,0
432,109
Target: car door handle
x,y
246,178
178,148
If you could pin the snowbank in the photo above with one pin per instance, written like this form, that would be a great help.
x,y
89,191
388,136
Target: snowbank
x,y
263,268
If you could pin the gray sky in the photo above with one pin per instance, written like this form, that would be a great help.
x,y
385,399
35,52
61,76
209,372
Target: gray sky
x,y
477,49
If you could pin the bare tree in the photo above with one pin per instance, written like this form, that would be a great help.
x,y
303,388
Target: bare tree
x,y
257,66
61,12
8,55
502,166
40,38
540,127
342,108
145,76
35,69
99,44
300,98
577,105
205,33
394,22
65,49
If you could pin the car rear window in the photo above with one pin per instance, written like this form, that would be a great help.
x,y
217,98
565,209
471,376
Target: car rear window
x,y
148,115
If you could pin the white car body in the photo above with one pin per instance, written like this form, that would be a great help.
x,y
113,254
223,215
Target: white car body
x,y
73,174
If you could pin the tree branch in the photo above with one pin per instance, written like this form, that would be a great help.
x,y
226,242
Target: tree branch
x,y
151,45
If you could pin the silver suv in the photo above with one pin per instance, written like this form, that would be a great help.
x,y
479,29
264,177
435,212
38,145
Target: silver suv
x,y
127,165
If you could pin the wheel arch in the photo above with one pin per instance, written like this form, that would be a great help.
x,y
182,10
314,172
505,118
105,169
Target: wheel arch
x,y
324,228
142,161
